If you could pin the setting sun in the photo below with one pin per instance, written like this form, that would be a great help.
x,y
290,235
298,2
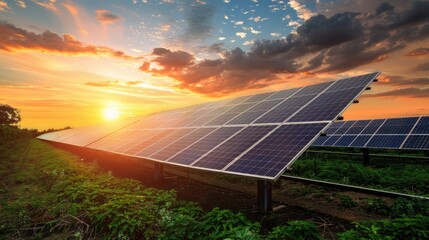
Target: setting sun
x,y
111,113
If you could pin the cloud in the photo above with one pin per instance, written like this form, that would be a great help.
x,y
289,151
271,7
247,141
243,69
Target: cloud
x,y
302,11
21,3
241,34
424,67
216,48
321,44
14,39
4,7
106,17
410,92
403,81
49,4
199,21
418,52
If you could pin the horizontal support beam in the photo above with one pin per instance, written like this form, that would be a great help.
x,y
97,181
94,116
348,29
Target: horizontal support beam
x,y
351,187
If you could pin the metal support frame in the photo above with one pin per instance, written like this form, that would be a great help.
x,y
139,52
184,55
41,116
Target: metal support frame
x,y
265,196
366,160
158,171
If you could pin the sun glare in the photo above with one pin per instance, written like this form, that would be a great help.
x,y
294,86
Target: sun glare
x,y
110,113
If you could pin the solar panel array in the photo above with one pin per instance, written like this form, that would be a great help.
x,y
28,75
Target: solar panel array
x,y
390,133
258,135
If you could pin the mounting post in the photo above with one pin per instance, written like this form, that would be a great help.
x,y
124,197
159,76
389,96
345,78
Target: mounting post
x,y
366,160
158,171
264,196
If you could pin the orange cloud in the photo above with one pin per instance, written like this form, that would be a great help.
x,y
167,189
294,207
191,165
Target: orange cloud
x,y
15,39
4,6
418,52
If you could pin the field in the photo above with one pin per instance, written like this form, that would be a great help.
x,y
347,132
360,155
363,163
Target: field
x,y
49,193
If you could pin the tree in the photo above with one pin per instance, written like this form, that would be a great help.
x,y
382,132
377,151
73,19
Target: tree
x,y
9,115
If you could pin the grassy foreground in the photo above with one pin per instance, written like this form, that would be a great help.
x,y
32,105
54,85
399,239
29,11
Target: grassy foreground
x,y
46,193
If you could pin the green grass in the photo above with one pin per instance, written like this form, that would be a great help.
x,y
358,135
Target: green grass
x,y
406,178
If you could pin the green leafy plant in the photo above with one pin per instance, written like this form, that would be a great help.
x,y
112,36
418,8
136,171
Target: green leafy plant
x,y
347,201
297,230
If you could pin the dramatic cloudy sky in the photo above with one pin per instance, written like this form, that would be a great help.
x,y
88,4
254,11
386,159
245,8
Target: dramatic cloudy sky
x,y
63,62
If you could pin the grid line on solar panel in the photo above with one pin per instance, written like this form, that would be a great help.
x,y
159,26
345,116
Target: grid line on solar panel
x,y
258,97
230,114
181,144
422,127
417,141
397,126
385,141
285,109
353,82
142,141
358,127
373,126
163,142
202,146
256,111
276,151
226,152
283,94
345,140
346,126
326,106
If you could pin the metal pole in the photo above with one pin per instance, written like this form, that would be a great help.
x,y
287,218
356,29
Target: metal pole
x,y
366,160
264,196
158,171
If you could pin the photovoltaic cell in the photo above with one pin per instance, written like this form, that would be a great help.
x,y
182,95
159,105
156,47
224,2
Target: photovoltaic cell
x,y
345,141
393,133
253,113
417,142
283,94
386,141
313,89
181,144
258,97
199,148
397,126
353,82
327,106
422,126
320,140
229,150
230,114
164,141
274,153
358,127
285,109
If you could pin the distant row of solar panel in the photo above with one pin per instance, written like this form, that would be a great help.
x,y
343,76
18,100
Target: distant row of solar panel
x,y
397,133
258,135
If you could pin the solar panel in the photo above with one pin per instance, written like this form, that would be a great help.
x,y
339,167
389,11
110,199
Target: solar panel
x,y
390,133
258,135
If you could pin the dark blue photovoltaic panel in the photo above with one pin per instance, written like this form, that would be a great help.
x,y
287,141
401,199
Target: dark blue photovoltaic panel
x,y
358,127
313,89
397,126
372,126
258,97
283,94
237,100
144,142
320,140
275,152
327,106
201,147
386,141
331,140
230,114
229,150
422,126
253,113
163,142
360,141
181,144
417,142
334,127
285,109
345,127
345,141
210,116
353,82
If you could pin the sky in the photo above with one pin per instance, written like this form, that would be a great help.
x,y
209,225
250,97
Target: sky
x,y
75,62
